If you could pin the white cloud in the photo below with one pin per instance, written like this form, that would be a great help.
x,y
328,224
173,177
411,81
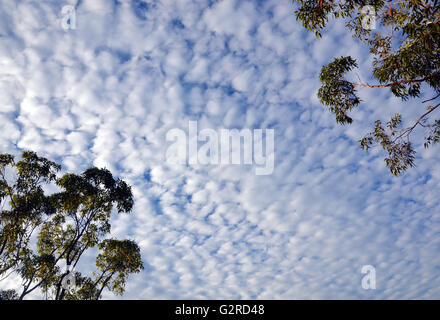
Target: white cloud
x,y
106,94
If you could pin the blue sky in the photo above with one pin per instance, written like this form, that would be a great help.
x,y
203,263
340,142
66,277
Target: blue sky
x,y
106,93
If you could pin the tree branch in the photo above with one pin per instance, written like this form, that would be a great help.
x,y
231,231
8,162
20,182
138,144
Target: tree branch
x,y
410,129
390,84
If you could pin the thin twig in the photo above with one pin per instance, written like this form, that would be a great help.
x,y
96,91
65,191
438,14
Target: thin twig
x,y
432,98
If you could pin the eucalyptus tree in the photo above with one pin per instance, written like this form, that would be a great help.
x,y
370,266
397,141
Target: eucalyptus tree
x,y
24,204
67,223
404,37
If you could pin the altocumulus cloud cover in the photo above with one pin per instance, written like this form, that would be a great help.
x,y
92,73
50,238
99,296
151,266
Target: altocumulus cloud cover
x,y
107,92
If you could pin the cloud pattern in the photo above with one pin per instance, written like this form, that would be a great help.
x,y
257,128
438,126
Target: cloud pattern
x,y
107,92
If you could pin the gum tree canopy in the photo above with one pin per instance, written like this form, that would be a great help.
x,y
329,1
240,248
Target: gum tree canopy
x,y
44,235
404,37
